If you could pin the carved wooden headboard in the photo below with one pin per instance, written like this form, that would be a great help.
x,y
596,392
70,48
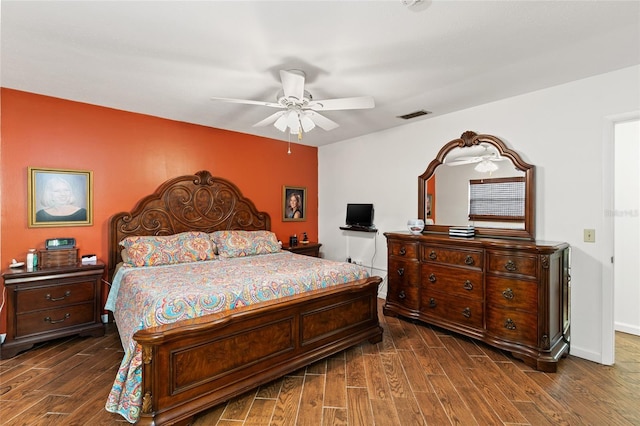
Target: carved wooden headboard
x,y
197,202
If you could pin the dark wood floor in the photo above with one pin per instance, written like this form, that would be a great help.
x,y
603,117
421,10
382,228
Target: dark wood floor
x,y
417,375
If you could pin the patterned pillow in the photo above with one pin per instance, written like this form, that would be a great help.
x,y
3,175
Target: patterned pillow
x,y
245,243
166,250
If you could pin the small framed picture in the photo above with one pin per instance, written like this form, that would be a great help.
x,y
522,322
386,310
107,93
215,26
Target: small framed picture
x,y
294,203
60,197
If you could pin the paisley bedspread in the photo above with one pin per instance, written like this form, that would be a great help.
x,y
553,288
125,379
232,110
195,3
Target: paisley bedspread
x,y
143,297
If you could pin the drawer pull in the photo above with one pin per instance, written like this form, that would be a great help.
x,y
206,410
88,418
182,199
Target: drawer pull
x,y
466,312
432,278
469,260
402,295
401,271
433,255
468,285
402,251
50,321
432,303
57,299
509,324
508,294
510,266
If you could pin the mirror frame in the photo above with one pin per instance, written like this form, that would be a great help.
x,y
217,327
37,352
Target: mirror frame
x,y
469,139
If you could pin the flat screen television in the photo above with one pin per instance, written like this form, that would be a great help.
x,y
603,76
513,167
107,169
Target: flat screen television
x,y
360,215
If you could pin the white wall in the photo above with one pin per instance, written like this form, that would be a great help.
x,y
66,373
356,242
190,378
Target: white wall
x,y
559,129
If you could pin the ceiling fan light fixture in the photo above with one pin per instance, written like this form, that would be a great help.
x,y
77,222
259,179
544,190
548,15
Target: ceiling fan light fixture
x,y
307,123
281,123
293,121
486,166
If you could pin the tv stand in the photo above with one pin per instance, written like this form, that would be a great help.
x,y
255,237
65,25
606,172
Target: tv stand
x,y
358,229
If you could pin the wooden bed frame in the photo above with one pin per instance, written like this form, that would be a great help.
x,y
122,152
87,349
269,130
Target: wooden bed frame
x,y
193,365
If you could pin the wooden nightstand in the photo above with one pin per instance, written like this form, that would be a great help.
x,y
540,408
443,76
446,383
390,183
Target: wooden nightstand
x,y
309,249
49,303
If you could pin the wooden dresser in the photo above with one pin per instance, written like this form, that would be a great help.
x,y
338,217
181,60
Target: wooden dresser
x,y
511,294
48,303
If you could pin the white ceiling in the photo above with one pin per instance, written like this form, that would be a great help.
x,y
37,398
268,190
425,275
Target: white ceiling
x,y
168,58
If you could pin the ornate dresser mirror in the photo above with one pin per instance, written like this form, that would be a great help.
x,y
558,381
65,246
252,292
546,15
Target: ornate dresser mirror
x,y
476,180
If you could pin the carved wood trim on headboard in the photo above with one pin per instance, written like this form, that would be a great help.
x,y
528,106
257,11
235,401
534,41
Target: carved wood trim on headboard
x,y
199,202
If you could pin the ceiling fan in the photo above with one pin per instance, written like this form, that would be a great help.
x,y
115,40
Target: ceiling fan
x,y
483,155
298,109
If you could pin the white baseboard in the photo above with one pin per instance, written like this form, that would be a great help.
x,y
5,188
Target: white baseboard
x,y
627,328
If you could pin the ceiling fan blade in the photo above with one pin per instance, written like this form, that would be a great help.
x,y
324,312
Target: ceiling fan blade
x,y
462,161
246,101
270,119
293,83
322,121
361,102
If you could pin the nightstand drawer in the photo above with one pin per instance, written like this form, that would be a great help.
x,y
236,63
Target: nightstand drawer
x,y
54,296
54,319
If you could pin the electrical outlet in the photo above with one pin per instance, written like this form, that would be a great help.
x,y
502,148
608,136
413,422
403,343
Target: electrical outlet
x,y
589,235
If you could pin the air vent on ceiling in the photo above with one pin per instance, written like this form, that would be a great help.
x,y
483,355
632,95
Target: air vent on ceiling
x,y
414,114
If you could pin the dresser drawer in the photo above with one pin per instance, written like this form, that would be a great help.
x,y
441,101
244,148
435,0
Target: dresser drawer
x,y
405,295
458,310
404,283
54,296
457,257
514,326
452,280
516,265
510,293
404,271
403,249
54,319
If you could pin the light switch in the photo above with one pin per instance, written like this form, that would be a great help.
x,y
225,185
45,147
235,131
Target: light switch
x,y
589,235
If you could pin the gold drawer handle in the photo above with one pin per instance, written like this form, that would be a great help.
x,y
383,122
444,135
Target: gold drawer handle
x,y
466,312
508,294
509,324
402,251
432,278
50,321
433,255
510,266
57,299
468,285
469,260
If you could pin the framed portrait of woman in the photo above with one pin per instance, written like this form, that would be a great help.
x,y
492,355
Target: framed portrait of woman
x,y
60,197
294,203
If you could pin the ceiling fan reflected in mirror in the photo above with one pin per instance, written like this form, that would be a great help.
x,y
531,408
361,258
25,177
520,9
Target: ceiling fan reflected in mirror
x,y
480,154
298,110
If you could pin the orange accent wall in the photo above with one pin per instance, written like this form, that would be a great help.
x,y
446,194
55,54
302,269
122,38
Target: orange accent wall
x,y
131,155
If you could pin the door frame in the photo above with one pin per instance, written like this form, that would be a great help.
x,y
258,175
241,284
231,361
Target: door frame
x,y
607,252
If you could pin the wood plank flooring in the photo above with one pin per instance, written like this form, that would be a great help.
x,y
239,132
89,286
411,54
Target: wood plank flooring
x,y
417,375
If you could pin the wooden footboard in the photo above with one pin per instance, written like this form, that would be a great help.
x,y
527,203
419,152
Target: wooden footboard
x,y
194,365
